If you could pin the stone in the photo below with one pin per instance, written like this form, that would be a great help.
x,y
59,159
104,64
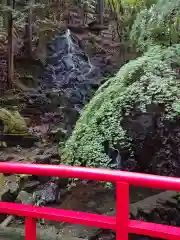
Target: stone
x,y
43,179
91,204
47,233
161,211
62,182
43,159
13,121
24,141
27,121
161,201
30,185
51,150
48,193
105,235
25,198
58,133
172,202
9,192
79,231
172,213
55,161
4,157
146,211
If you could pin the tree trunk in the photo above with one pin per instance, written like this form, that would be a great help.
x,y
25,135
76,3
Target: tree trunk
x,y
10,46
29,30
101,12
4,15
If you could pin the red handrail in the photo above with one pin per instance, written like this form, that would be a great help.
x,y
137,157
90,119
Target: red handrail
x,y
121,223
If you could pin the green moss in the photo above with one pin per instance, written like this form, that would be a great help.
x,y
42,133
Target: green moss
x,y
140,83
13,122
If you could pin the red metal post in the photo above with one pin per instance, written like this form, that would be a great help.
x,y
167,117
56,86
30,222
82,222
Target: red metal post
x,y
122,210
30,228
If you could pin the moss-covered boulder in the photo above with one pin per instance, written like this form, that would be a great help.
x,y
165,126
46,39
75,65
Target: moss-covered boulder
x,y
13,122
132,121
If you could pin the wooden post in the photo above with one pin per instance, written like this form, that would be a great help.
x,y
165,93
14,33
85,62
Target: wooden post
x,y
10,74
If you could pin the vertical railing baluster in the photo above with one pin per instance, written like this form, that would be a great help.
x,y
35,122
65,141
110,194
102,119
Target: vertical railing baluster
x,y
122,210
30,228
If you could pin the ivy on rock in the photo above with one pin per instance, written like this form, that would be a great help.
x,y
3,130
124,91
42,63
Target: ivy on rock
x,y
150,80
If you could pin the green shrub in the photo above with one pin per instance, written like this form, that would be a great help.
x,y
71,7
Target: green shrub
x,y
147,80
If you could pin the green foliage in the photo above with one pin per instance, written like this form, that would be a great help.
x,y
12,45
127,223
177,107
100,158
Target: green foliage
x,y
157,25
147,80
44,17
125,12
151,21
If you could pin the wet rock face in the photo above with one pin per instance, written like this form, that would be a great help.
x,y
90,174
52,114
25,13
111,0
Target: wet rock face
x,y
155,143
165,160
68,80
141,128
68,67
47,193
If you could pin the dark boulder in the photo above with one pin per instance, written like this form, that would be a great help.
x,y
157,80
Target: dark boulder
x,y
10,192
25,198
155,142
47,193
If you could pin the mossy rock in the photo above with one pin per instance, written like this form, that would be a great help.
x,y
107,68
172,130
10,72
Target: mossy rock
x,y
142,86
13,122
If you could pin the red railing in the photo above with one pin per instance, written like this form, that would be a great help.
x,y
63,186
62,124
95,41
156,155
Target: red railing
x,y
121,223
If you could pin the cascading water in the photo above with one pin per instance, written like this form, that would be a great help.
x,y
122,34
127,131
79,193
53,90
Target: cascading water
x,y
69,68
68,80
